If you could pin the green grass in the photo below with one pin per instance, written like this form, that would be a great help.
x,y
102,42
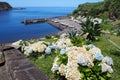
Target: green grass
x,y
109,50
45,63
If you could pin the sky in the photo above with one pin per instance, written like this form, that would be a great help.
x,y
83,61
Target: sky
x,y
47,3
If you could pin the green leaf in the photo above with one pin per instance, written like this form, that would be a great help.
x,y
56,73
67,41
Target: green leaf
x,y
82,75
87,70
96,68
102,78
62,59
109,75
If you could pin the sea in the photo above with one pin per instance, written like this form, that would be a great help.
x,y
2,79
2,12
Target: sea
x,y
11,28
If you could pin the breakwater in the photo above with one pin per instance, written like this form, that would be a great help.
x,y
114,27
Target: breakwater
x,y
32,21
62,23
40,20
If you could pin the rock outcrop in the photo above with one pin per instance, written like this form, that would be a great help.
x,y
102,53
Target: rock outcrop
x,y
5,6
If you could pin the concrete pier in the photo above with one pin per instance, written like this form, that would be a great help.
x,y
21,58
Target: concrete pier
x,y
32,21
62,23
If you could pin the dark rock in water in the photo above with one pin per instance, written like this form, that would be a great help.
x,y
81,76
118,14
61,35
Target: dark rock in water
x,y
5,6
18,8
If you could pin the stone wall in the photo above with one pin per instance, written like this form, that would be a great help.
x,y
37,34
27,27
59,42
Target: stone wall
x,y
18,67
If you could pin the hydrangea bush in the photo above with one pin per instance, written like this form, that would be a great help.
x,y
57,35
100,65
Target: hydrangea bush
x,y
77,58
41,47
83,63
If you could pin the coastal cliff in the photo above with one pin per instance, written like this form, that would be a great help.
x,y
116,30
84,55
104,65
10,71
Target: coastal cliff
x,y
5,6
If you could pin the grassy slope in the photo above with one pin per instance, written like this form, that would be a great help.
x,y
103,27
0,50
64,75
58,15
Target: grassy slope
x,y
94,9
45,64
89,6
110,50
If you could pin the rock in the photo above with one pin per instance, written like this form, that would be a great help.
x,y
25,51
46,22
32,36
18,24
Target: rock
x,y
2,58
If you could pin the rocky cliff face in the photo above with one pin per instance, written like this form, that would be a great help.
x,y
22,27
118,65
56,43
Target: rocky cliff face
x,y
5,6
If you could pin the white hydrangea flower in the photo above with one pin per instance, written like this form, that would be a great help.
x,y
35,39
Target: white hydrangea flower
x,y
27,51
106,68
62,69
48,50
98,56
52,46
82,59
38,46
80,55
63,51
108,60
62,43
96,53
91,46
55,67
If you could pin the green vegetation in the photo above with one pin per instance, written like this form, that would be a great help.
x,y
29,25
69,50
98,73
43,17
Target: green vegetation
x,y
92,8
4,6
44,62
109,49
113,6
91,29
79,41
107,8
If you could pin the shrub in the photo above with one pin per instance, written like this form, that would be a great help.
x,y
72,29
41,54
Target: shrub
x,y
92,29
79,41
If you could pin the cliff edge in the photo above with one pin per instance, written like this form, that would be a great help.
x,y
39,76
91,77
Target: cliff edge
x,y
5,6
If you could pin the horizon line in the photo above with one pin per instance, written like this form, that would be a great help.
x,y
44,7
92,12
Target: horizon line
x,y
45,6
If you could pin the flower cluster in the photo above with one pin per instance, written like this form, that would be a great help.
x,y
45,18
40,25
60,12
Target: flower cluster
x,y
35,47
72,61
31,48
63,42
44,47
94,20
88,56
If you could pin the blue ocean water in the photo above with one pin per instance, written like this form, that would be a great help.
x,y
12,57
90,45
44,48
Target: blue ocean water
x,y
11,28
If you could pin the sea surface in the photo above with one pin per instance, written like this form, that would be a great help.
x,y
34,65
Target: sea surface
x,y
11,28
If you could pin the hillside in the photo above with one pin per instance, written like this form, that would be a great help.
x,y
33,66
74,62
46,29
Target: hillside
x,y
5,6
106,9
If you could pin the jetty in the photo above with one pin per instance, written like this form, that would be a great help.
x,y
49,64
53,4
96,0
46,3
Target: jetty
x,y
66,24
40,20
62,23
32,21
